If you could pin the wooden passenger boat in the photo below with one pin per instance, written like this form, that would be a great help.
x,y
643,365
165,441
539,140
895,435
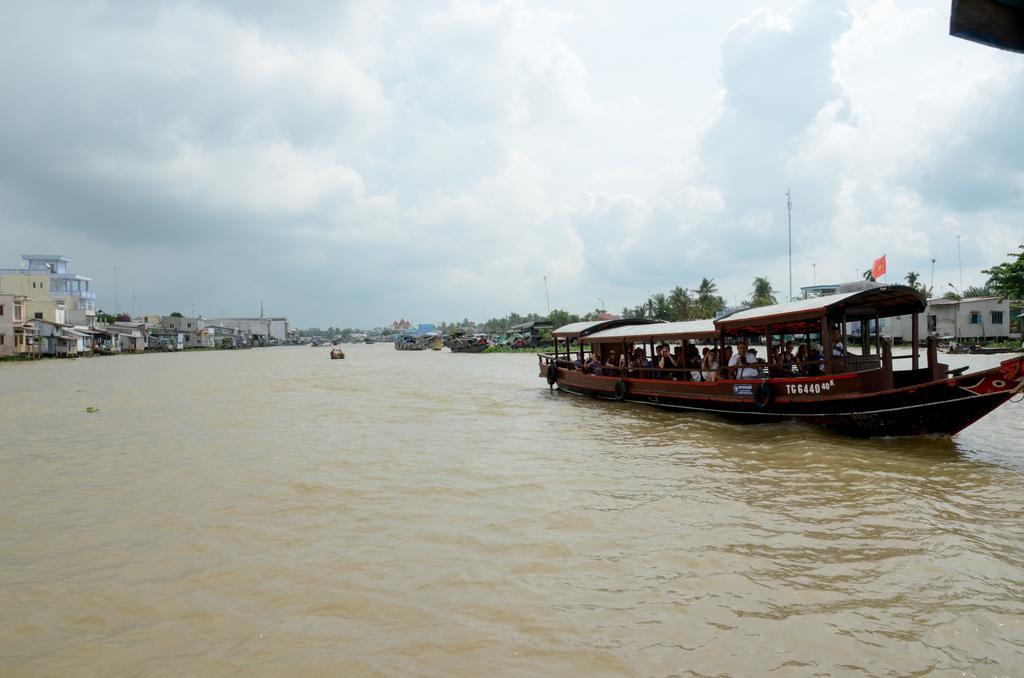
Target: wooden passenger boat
x,y
418,343
463,342
856,393
407,343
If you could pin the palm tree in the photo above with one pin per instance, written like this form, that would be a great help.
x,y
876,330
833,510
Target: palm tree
x,y
659,307
868,276
707,303
912,278
680,303
763,294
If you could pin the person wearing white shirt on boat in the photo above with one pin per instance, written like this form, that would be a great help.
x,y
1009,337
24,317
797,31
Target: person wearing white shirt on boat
x,y
736,360
838,348
749,371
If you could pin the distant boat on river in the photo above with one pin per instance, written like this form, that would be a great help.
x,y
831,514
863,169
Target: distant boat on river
x,y
461,341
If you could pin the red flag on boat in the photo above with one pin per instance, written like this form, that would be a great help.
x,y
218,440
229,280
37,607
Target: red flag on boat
x,y
878,268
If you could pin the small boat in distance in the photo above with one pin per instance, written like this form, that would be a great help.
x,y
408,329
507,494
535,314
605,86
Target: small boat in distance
x,y
461,341
853,393
992,350
407,342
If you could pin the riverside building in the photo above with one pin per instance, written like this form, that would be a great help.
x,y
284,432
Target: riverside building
x,y
48,287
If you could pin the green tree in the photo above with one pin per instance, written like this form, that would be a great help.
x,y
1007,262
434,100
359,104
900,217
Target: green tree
x,y
868,276
680,304
560,317
975,291
660,308
708,304
1007,278
762,293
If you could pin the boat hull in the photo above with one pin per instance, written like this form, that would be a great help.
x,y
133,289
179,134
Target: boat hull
x,y
942,406
467,348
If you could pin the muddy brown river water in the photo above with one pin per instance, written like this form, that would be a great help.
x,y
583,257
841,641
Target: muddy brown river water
x,y
272,512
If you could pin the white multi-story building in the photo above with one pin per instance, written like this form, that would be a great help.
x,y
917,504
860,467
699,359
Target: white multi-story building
x,y
48,286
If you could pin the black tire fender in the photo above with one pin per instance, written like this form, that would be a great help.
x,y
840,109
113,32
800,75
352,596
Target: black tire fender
x,y
621,388
763,395
552,374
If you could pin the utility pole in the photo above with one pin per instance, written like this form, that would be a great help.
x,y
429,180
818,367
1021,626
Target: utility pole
x,y
959,262
789,219
814,268
117,303
133,302
931,285
546,297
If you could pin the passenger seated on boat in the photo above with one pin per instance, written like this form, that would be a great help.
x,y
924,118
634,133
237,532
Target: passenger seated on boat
x,y
638,361
594,365
611,368
814,358
749,369
736,359
679,358
693,361
838,349
663,363
787,360
724,362
775,362
801,360
710,365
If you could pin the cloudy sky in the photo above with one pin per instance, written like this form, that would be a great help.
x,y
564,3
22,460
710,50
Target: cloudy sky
x,y
351,163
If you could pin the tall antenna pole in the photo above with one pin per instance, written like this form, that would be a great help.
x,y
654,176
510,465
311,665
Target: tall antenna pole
x,y
960,263
789,218
133,302
117,303
546,297
814,268
931,285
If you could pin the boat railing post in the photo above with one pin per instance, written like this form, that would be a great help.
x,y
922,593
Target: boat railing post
x,y
686,373
915,360
932,349
825,349
887,363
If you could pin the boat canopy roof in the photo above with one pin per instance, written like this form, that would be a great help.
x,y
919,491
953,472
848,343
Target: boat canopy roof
x,y
884,302
796,316
692,329
582,329
532,325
